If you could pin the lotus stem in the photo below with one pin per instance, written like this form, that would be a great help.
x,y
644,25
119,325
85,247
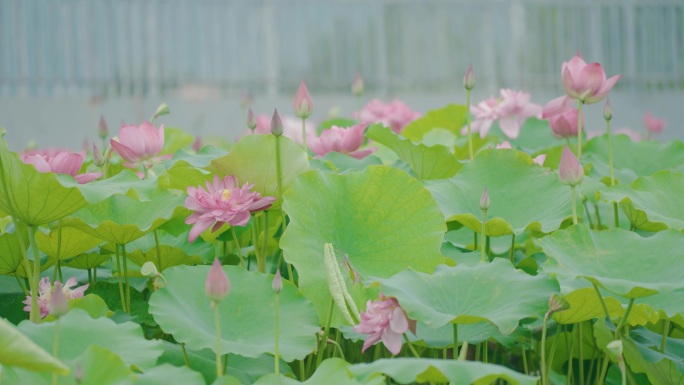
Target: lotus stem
x,y
237,245
580,347
36,271
58,259
544,374
34,314
156,243
511,253
666,332
324,340
455,341
410,345
306,149
277,331
483,245
470,136
603,303
265,243
128,282
580,104
624,318
118,273
574,204
217,324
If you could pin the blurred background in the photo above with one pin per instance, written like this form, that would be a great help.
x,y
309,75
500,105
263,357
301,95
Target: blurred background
x,y
63,63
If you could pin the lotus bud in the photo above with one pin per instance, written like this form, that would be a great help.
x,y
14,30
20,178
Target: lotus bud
x,y
276,124
78,374
615,347
557,303
103,130
484,200
608,110
303,104
149,269
162,110
217,286
98,158
58,304
469,78
197,144
277,284
570,170
251,119
357,85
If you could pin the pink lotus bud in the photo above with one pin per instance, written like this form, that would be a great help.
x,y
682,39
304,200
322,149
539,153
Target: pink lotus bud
x,y
564,125
276,124
197,144
103,130
303,104
98,158
217,286
484,200
78,374
653,125
251,119
469,79
357,85
570,170
277,284
58,304
608,110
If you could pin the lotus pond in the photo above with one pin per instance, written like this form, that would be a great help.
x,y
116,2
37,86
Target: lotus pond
x,y
500,246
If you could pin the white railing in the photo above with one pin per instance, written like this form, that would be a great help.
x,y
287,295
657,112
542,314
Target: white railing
x,y
135,47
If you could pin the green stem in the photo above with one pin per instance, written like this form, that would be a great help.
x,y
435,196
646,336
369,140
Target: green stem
x,y
455,341
410,345
544,375
570,348
588,216
579,130
277,331
22,285
58,263
306,149
156,243
615,214
185,355
526,368
266,236
574,204
55,349
552,355
610,154
470,136
475,238
580,348
217,324
34,315
597,213
358,107
338,349
624,318
666,331
128,282
237,245
483,243
118,274
90,277
279,180
261,263
324,340
36,269
511,253
603,303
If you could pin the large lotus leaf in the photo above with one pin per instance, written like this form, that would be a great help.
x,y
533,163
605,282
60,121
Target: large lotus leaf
x,y
18,350
33,197
122,219
372,216
167,374
410,370
440,136
427,162
66,242
11,254
337,162
125,182
451,117
535,135
182,309
253,159
621,261
584,305
169,256
495,292
199,160
87,261
642,354
652,203
78,332
204,250
332,368
185,170
632,159
523,195
670,305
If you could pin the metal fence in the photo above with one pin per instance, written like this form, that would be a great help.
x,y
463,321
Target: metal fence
x,y
155,47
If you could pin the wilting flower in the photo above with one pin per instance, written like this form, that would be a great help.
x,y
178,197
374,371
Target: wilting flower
x,y
564,125
395,115
222,202
303,103
384,319
511,109
342,140
139,145
653,125
292,126
217,285
570,170
586,82
45,292
539,159
63,162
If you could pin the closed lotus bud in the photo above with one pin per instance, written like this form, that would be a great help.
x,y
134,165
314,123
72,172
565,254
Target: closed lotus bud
x,y
615,347
303,104
149,269
357,85
557,303
608,110
276,124
217,286
162,110
58,304
469,79
197,144
98,158
484,200
251,119
277,284
78,374
102,129
570,170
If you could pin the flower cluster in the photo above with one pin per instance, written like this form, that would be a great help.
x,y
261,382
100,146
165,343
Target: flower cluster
x,y
511,110
384,319
395,115
45,292
60,162
342,140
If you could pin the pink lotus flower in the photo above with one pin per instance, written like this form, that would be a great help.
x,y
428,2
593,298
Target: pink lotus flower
x,y
342,140
217,285
564,125
539,159
292,126
139,145
64,162
45,292
222,202
653,125
570,170
303,103
395,115
586,82
384,319
511,110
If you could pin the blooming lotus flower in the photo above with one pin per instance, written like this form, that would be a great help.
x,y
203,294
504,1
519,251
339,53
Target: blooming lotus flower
x,y
58,304
222,202
139,145
303,103
586,82
217,285
292,126
64,162
564,125
342,140
45,292
395,115
570,170
653,125
384,319
539,159
511,110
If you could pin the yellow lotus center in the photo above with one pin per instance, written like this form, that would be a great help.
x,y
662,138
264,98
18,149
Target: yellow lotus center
x,y
225,194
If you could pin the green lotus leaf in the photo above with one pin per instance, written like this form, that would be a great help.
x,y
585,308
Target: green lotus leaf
x,y
334,161
33,197
339,122
169,256
122,219
182,309
125,339
70,243
440,136
199,160
174,139
87,260
642,354
409,370
18,350
182,175
427,162
669,305
372,216
585,305
126,182
523,195
253,159
332,368
652,203
621,261
504,295
632,159
166,374
200,249
535,135
11,253
451,117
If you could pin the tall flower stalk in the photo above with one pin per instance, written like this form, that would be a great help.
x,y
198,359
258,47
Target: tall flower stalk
x,y
570,172
469,84
607,116
484,206
303,107
357,89
277,287
217,288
